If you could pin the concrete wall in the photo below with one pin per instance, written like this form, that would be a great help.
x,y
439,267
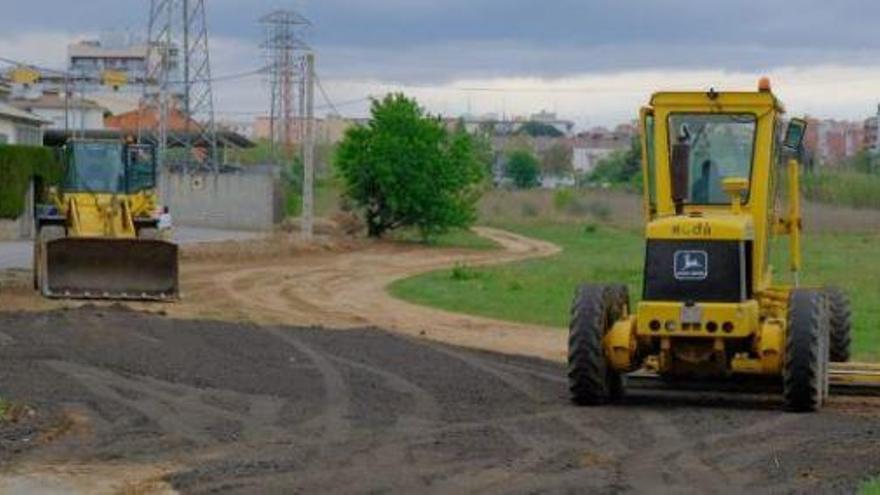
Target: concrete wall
x,y
22,227
225,201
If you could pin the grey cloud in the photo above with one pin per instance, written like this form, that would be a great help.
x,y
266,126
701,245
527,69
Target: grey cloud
x,y
435,41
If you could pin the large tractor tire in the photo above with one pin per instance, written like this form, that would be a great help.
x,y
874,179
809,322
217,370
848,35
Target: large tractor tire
x,y
805,373
841,324
591,379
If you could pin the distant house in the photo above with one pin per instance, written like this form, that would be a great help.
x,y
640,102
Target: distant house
x,y
330,129
19,126
145,118
63,113
831,142
593,146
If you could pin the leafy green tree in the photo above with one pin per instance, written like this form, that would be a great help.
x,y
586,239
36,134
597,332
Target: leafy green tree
x,y
622,167
539,129
482,143
523,169
556,160
406,169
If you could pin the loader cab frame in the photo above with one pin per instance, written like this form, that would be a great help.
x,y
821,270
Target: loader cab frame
x,y
108,167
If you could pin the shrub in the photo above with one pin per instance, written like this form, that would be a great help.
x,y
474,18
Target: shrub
x,y
463,272
404,169
562,199
18,166
523,169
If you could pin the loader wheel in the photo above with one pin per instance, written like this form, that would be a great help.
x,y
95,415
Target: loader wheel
x,y
805,373
841,324
590,379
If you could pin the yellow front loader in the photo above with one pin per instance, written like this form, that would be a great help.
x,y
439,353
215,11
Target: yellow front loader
x,y
716,168
98,239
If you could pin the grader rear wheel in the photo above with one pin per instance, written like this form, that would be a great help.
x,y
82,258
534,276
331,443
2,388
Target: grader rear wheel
x,y
591,379
805,373
841,324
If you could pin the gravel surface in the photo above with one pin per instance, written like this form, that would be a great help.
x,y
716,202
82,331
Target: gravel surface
x,y
132,401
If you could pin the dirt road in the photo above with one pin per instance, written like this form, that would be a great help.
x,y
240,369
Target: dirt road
x,y
338,287
231,391
129,402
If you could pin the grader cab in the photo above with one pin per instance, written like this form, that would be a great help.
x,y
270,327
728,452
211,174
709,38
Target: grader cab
x,y
714,165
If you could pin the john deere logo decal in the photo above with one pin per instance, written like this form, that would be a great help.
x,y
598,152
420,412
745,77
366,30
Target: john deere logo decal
x,y
691,265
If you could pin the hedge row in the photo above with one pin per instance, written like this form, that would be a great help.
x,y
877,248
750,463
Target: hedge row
x,y
18,165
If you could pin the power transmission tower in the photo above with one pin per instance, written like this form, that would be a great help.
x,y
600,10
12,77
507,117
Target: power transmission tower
x,y
291,105
178,88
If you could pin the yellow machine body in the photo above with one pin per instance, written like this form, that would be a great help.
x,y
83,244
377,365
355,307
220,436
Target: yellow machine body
x,y
746,335
100,239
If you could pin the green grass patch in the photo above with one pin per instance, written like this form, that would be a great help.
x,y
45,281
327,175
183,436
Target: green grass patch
x,y
533,291
539,291
871,487
854,189
5,410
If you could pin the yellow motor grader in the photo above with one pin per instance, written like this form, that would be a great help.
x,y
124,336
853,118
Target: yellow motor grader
x,y
717,166
98,238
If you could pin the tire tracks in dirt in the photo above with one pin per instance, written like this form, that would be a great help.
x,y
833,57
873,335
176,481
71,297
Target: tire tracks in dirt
x,y
349,289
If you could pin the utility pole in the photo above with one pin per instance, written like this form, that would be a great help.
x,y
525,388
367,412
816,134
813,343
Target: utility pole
x,y
291,80
178,83
308,215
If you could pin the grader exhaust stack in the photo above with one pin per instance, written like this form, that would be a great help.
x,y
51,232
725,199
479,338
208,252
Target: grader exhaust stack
x,y
100,239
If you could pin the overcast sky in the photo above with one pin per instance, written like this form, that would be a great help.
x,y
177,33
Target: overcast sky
x,y
591,61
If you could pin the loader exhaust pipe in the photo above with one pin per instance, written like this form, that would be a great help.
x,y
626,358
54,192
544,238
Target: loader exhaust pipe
x,y
124,269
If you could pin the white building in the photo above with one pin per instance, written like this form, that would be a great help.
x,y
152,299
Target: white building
x,y
112,52
63,113
585,160
18,126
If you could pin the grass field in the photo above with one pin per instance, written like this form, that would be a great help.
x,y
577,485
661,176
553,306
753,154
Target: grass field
x,y
539,291
871,487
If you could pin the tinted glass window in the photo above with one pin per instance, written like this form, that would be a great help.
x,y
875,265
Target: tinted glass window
x,y
721,146
96,167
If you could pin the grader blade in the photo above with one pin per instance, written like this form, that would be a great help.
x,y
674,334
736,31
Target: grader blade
x,y
855,378
850,379
124,269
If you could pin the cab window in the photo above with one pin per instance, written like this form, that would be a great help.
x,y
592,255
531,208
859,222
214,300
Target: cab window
x,y
719,146
95,167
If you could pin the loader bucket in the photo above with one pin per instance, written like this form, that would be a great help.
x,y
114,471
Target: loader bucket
x,y
126,269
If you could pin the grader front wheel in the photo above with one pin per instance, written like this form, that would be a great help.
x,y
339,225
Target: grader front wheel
x,y
591,379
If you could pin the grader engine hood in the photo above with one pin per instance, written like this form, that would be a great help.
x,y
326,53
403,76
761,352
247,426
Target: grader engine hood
x,y
699,259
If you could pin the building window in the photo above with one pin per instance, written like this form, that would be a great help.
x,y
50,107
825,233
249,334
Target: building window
x,y
28,135
4,139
